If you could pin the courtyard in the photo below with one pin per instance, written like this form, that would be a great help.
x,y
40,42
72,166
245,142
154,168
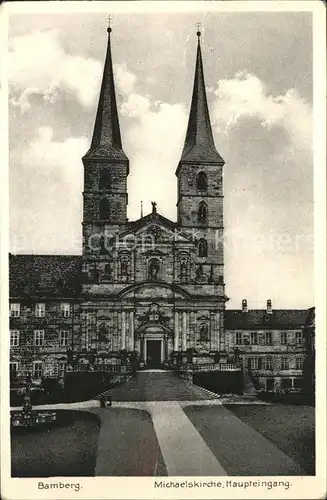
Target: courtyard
x,y
154,426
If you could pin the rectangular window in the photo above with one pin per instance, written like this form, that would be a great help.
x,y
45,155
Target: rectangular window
x,y
14,338
37,369
38,337
64,338
254,363
15,309
62,368
286,383
284,364
65,310
268,338
283,338
85,267
238,338
298,383
268,363
299,337
299,363
254,338
270,384
40,310
13,369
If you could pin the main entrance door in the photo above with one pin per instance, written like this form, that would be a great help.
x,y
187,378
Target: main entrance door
x,y
153,353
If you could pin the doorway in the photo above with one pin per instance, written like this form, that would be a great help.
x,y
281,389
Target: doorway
x,y
153,353
270,384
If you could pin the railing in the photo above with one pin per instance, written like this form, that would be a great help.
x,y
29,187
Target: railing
x,y
99,368
211,367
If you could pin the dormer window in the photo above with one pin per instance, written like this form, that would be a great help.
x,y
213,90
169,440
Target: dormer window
x,y
202,181
15,309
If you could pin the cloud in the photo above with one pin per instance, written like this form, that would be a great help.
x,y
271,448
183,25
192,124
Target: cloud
x,y
155,134
55,157
46,187
124,79
38,65
245,96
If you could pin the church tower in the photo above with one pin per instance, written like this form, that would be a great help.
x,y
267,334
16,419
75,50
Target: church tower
x,y
200,184
106,168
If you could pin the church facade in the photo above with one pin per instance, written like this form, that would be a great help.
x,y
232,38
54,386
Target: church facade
x,y
152,287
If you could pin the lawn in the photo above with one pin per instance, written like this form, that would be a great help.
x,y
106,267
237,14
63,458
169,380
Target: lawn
x,y
291,428
67,448
258,440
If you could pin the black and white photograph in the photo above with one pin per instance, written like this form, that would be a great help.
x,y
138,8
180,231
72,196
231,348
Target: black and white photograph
x,y
163,251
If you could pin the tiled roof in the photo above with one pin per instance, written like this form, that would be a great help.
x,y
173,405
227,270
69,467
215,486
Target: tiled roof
x,y
106,140
48,275
199,144
258,319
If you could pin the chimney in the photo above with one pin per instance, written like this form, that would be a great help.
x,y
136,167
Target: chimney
x,y
244,306
269,306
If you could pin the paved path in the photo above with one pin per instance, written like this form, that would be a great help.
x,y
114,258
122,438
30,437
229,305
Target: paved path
x,y
195,435
184,451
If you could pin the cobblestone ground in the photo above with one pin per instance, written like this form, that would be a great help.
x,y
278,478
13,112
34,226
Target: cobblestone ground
x,y
158,386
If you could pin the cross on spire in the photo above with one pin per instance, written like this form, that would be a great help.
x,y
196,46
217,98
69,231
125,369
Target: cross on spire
x,y
198,27
109,29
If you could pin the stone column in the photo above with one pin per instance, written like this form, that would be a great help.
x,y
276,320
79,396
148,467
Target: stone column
x,y
166,341
115,337
131,330
221,332
176,331
123,330
142,348
184,331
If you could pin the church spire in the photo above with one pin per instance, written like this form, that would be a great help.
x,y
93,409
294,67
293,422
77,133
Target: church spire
x,y
106,141
199,144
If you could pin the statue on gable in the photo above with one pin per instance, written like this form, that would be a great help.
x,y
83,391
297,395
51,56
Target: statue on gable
x,y
154,207
124,264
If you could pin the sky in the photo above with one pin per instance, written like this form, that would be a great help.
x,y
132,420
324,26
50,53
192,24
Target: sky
x,y
258,73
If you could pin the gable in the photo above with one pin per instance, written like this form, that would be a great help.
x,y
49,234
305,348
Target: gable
x,y
155,229
153,290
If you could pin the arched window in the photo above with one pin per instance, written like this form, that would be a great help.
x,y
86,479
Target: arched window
x,y
107,276
104,209
154,267
105,179
204,334
203,248
103,333
202,213
183,269
202,181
